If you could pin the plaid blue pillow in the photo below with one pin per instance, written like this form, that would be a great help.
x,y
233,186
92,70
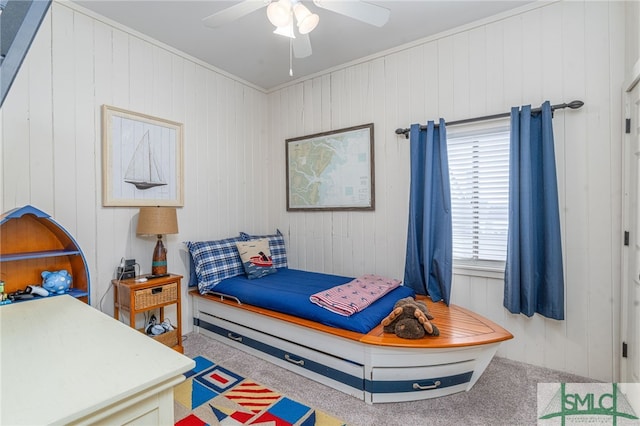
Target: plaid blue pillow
x,y
215,260
276,246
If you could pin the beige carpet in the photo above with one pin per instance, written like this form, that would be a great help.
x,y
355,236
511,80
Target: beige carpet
x,y
506,394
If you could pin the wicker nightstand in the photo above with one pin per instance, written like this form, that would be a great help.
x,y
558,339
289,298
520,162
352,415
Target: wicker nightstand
x,y
137,297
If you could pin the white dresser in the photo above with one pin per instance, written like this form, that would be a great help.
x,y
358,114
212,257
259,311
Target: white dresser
x,y
64,362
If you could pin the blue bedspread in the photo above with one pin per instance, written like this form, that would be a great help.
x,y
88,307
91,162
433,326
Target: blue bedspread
x,y
288,291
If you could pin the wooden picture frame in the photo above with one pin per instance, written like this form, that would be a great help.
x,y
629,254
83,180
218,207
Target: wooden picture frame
x,y
331,170
141,159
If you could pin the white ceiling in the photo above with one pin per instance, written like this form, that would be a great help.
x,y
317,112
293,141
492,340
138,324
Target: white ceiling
x,y
247,48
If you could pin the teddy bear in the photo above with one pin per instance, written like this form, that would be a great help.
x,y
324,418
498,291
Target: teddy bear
x,y
410,319
57,282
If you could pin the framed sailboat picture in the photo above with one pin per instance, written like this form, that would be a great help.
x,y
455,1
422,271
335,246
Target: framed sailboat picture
x,y
141,159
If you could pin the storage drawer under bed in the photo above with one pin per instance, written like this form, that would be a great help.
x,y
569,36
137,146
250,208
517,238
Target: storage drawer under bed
x,y
384,385
291,355
390,384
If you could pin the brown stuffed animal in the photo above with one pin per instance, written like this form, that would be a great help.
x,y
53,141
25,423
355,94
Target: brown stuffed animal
x,y
410,320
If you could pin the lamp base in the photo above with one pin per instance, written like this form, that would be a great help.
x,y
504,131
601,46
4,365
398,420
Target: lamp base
x,y
159,260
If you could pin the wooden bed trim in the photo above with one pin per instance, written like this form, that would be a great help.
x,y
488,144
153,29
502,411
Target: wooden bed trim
x,y
459,327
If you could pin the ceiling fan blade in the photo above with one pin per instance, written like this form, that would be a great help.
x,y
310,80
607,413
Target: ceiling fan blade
x,y
301,45
234,12
365,12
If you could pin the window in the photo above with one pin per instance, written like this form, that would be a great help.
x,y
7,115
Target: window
x,y
479,176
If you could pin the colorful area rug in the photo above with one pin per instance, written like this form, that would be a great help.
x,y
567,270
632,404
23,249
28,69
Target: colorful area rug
x,y
213,395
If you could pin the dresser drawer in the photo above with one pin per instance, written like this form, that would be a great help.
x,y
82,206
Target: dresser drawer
x,y
149,297
154,296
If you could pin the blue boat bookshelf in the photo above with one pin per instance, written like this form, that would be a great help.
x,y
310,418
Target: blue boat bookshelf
x,y
32,242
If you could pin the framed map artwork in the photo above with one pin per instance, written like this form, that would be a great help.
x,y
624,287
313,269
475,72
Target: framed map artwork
x,y
331,170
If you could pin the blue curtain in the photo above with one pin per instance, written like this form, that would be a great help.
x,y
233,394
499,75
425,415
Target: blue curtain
x,y
534,280
429,239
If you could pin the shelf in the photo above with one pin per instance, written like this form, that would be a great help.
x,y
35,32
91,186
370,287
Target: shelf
x,y
38,255
31,242
73,292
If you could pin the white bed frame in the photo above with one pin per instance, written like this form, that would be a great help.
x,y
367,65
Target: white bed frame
x,y
374,367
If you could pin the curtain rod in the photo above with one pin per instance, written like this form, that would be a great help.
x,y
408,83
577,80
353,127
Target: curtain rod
x,y
572,105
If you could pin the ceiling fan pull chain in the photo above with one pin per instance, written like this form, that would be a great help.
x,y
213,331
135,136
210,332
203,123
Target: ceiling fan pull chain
x,y
290,57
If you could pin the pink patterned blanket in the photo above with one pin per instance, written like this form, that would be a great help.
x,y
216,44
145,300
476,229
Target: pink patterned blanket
x,y
354,296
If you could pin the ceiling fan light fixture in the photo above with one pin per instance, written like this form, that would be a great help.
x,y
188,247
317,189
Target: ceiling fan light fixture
x,y
279,13
308,24
307,21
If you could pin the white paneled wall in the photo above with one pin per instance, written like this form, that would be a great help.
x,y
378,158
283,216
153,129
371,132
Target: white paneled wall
x,y
234,152
560,52
52,149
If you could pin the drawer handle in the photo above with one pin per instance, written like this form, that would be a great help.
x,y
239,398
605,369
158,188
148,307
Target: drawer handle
x,y
156,290
234,337
435,384
295,361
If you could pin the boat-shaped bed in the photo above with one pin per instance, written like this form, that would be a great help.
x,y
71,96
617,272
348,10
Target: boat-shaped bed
x,y
374,366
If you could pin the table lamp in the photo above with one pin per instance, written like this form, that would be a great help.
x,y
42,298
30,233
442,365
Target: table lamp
x,y
158,221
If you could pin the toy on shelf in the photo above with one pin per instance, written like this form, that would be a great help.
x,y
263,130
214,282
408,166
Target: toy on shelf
x,y
30,292
4,298
57,282
36,290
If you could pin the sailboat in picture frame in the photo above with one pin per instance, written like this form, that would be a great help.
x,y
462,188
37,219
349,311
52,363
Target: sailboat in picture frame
x,y
144,170
142,159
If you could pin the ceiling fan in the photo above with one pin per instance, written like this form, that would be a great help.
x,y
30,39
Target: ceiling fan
x,y
294,20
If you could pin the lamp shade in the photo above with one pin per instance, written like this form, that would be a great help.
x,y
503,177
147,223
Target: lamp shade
x,y
307,21
279,13
308,24
157,221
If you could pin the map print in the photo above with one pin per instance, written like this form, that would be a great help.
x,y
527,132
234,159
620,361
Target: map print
x,y
331,171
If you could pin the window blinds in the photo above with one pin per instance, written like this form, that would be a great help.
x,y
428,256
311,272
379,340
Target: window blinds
x,y
479,176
